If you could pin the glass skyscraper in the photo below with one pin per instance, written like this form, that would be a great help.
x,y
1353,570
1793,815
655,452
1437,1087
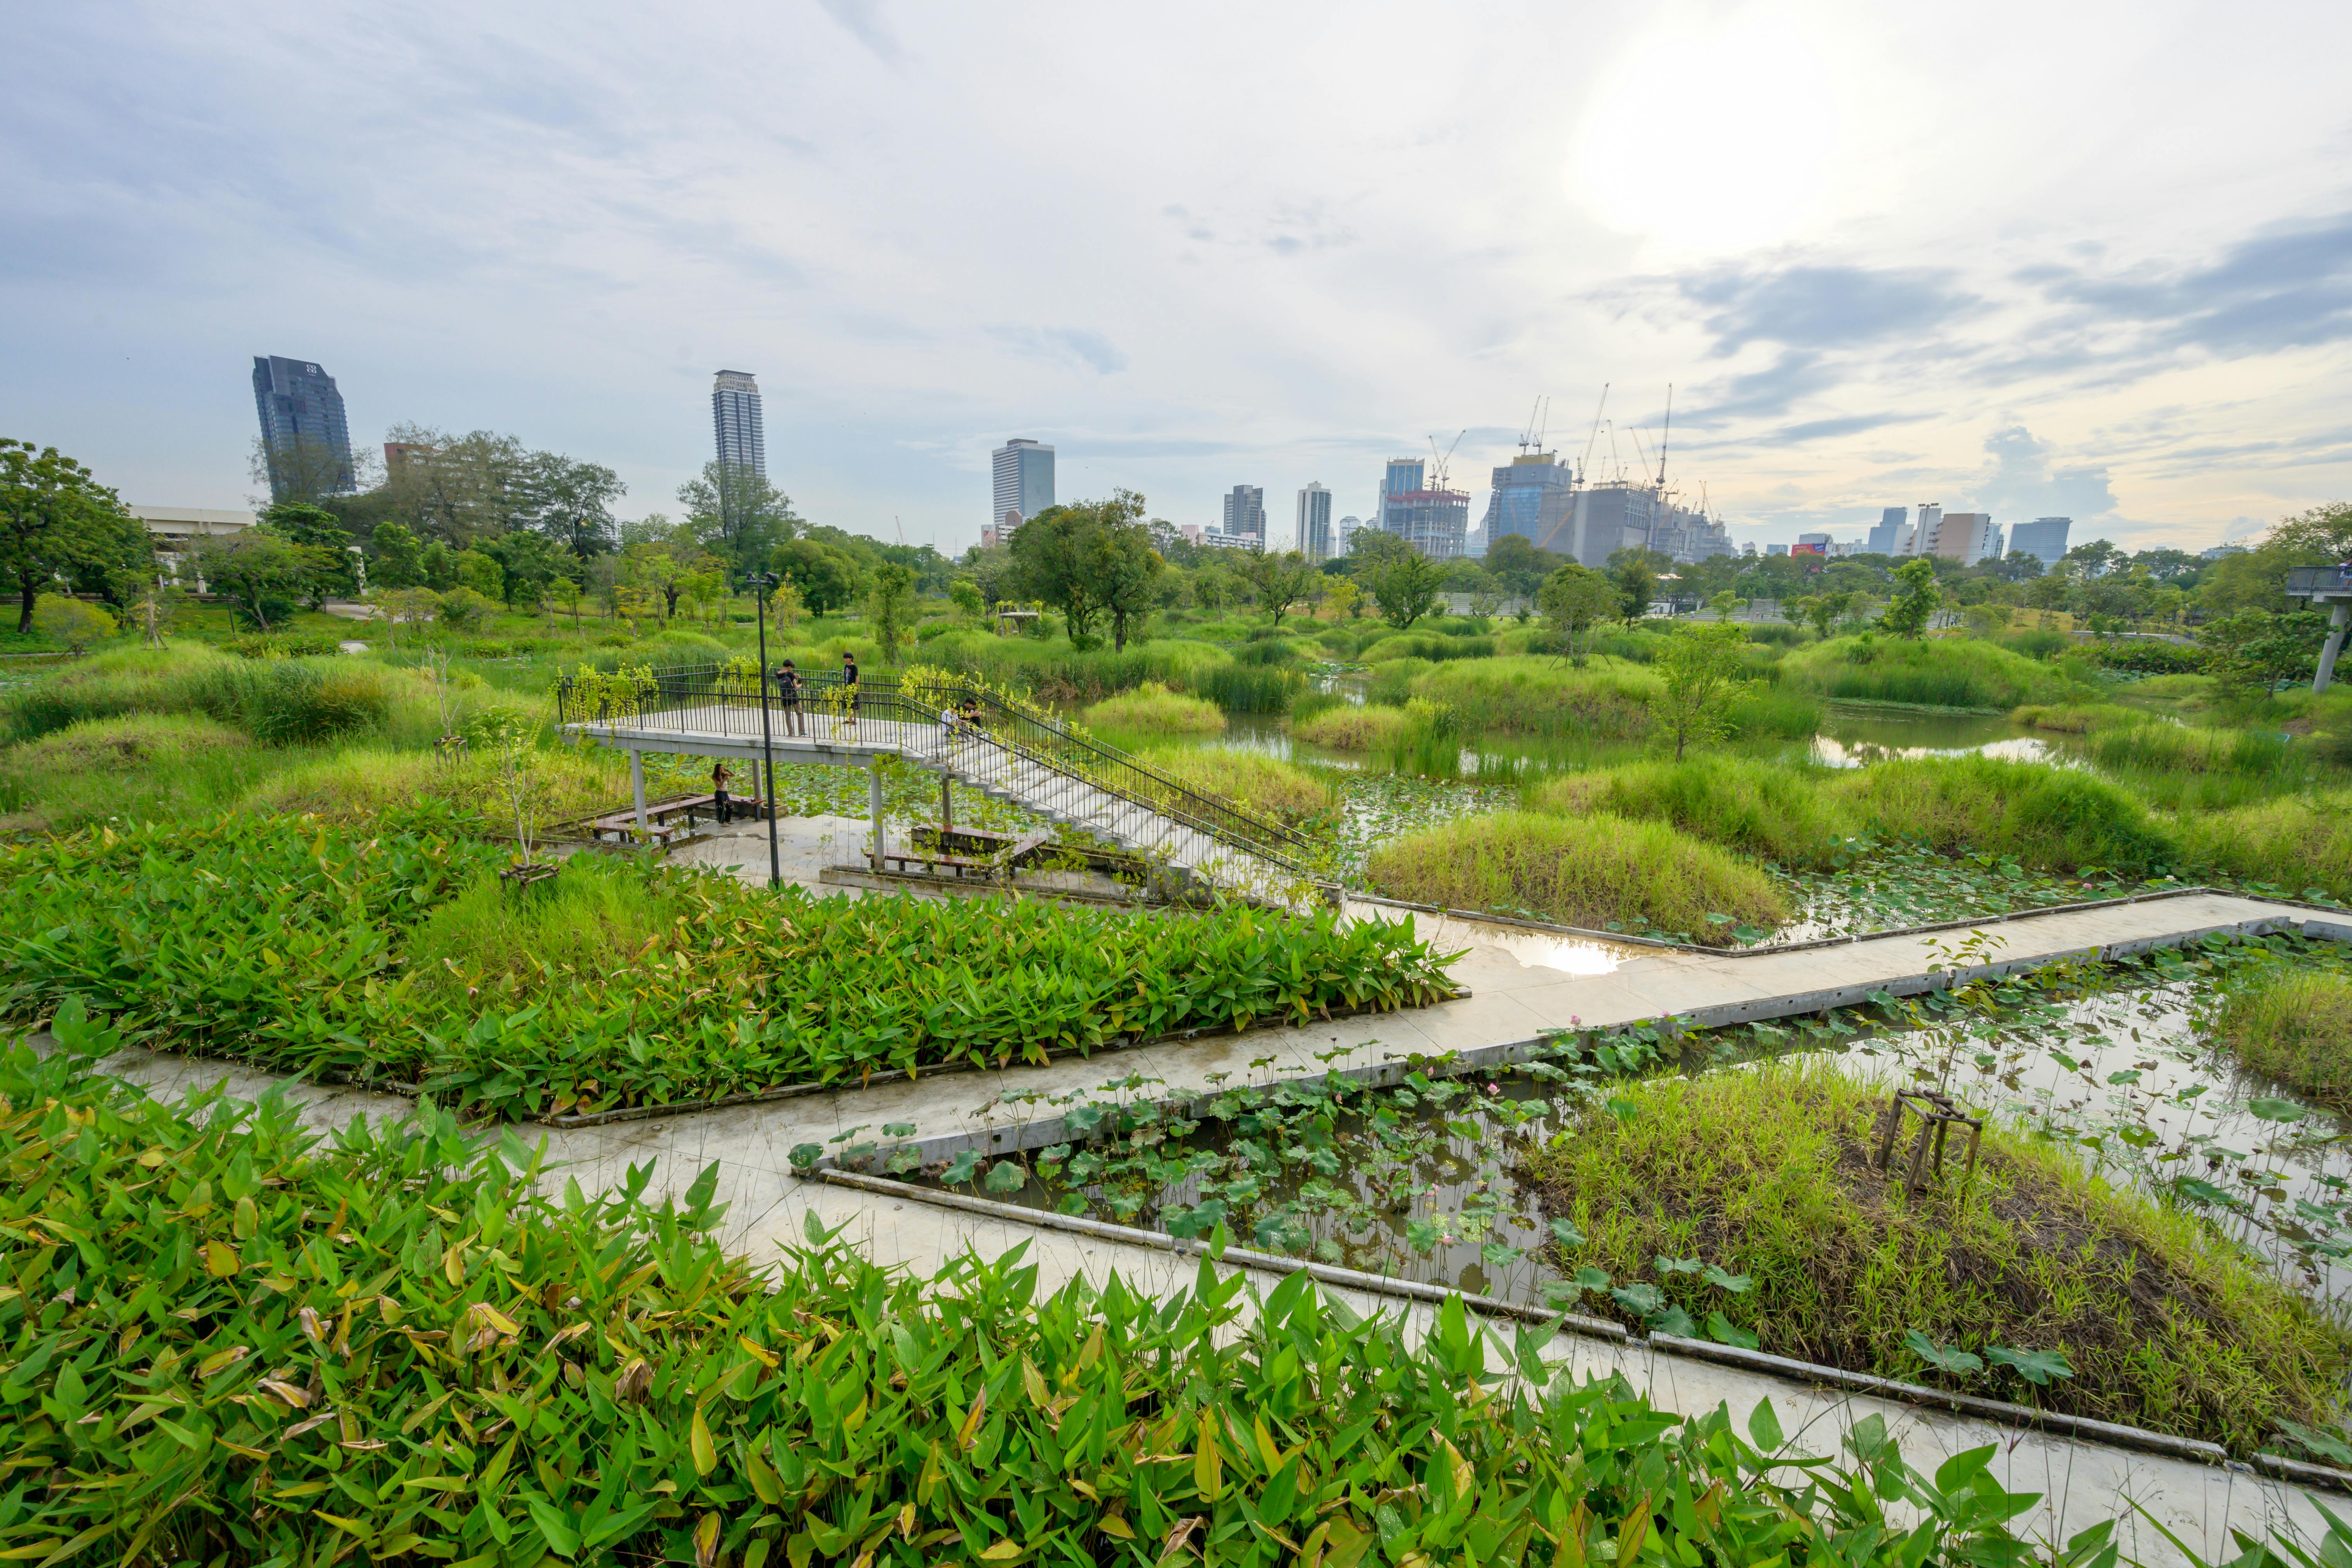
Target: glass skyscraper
x,y
2044,539
1245,512
303,434
1023,475
735,419
1533,494
1315,522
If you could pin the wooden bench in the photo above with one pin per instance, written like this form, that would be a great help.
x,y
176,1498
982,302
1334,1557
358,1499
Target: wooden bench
x,y
662,818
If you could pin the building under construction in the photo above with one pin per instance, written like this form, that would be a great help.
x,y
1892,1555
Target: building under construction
x,y
1424,513
1565,510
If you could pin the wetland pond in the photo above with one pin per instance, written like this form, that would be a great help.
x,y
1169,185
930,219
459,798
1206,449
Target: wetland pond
x,y
1429,1180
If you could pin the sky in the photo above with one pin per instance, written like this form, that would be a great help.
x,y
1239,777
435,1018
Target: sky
x,y
2091,259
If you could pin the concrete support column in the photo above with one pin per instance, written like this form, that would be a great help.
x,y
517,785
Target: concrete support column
x,y
874,796
2335,646
638,784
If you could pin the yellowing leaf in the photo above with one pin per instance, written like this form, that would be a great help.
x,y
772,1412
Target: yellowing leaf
x,y
706,1452
757,1351
1034,1382
220,1259
971,1419
1002,1552
1111,1525
1208,1468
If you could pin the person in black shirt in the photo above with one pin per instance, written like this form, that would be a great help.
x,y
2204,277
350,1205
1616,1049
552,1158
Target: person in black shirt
x,y
788,697
849,681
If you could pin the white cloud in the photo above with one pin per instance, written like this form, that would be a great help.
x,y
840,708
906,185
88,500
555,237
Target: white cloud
x,y
1264,246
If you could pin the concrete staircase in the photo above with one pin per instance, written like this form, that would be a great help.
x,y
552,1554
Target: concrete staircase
x,y
1004,774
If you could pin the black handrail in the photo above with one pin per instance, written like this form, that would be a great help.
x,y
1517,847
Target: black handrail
x,y
1044,740
2305,582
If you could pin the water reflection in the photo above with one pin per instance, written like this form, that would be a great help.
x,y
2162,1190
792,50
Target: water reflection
x,y
1529,949
1853,735
1833,752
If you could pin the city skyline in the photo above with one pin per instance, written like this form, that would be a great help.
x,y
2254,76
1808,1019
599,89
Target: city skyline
x,y
2063,280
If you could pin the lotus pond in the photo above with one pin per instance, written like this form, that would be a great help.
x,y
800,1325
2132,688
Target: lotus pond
x,y
2114,1123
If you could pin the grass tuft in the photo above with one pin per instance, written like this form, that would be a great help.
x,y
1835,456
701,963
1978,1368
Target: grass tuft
x,y
1258,780
1764,1173
1153,708
2296,1026
1599,872
1349,728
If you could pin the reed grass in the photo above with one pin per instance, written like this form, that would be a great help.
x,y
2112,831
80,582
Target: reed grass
x,y
1531,695
1749,804
360,785
1941,672
2294,1026
2293,842
1254,779
1151,708
1598,872
1350,728
1763,1174
138,767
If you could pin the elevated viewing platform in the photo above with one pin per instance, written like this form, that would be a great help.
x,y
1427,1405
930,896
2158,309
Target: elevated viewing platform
x,y
1007,752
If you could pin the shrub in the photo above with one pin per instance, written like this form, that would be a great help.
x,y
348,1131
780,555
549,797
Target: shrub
x,y
1349,728
2146,656
1436,648
717,1405
1598,872
395,954
281,644
2038,643
1747,803
1152,707
2078,718
1266,651
2294,1026
64,619
360,787
1775,633
1256,780
1762,1173
300,701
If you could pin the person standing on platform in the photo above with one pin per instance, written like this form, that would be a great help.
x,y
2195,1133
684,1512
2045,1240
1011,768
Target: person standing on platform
x,y
720,777
849,681
788,697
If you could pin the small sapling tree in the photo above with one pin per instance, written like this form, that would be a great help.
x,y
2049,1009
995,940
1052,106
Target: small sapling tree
x,y
1917,596
1699,675
1575,600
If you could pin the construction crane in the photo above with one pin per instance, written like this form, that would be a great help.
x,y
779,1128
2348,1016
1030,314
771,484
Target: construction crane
x,y
1438,469
1539,420
1584,468
1669,435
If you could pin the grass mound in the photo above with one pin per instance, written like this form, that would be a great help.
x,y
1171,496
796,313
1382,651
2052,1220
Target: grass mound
x,y
2061,819
360,785
284,702
1153,708
1525,694
1598,872
1748,803
2078,718
1765,1173
1352,728
2295,843
2295,1026
1941,672
1253,778
138,767
151,739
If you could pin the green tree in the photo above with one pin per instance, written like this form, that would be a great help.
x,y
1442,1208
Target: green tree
x,y
825,579
56,518
1404,584
528,562
1907,614
1280,577
738,513
480,572
1517,566
890,608
1131,570
1635,572
2252,649
1699,671
326,543
257,570
1823,609
964,594
570,503
1070,558
1575,600
393,557
63,618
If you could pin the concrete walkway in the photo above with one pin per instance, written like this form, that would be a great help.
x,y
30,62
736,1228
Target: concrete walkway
x,y
1524,982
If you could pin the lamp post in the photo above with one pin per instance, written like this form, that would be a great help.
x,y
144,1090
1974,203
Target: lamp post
x,y
762,583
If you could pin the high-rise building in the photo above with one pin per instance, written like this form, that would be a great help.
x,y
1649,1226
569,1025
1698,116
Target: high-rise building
x,y
1349,528
303,436
1966,537
1922,539
1246,513
2044,539
735,416
1887,538
1533,494
1435,522
1315,522
1023,475
1814,544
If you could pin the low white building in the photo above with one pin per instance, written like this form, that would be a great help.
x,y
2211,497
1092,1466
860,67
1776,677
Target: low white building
x,y
175,528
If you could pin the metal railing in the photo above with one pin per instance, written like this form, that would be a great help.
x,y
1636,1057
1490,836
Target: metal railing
x,y
2307,582
708,699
